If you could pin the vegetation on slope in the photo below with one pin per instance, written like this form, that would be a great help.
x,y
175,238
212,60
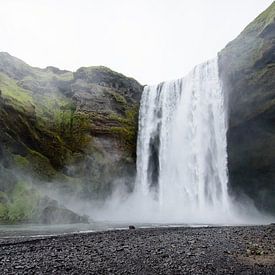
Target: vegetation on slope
x,y
71,129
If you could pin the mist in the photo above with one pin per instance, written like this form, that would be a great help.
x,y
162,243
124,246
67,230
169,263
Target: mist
x,y
126,208
182,173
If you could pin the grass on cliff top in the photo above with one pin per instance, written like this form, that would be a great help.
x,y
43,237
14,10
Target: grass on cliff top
x,y
265,18
49,107
11,90
105,72
246,49
55,125
47,75
98,69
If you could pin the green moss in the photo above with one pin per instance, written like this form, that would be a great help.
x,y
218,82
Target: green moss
x,y
24,203
247,48
127,137
264,19
45,129
117,118
132,114
126,127
3,197
130,118
45,76
52,110
118,98
3,212
74,129
41,166
9,88
126,133
21,162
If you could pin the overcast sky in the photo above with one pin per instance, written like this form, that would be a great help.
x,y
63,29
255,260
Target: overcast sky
x,y
150,40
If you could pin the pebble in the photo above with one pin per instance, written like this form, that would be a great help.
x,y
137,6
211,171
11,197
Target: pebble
x,y
217,250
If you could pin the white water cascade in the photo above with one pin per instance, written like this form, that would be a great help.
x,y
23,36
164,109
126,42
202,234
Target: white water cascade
x,y
181,154
182,172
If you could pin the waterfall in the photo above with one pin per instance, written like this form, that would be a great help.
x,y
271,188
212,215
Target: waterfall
x,y
182,172
181,150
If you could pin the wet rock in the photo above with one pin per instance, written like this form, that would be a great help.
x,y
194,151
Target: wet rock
x,y
58,215
247,70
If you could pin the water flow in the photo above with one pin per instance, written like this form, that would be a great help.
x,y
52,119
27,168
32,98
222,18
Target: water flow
x,y
181,154
181,158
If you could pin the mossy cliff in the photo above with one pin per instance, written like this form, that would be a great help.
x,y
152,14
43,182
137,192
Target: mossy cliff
x,y
247,68
77,130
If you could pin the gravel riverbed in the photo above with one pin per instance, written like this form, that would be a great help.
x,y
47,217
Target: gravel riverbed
x,y
181,250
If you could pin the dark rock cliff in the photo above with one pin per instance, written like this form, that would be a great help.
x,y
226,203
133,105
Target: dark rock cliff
x,y
247,67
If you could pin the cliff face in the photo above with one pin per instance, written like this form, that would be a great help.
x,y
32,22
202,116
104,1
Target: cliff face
x,y
77,129
247,68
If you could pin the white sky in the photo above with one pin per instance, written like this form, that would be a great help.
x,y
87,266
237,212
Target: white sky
x,y
150,40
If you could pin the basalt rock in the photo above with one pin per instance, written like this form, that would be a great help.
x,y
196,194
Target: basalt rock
x,y
247,66
59,215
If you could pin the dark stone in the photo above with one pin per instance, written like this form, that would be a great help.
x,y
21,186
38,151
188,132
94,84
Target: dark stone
x,y
247,69
57,215
105,252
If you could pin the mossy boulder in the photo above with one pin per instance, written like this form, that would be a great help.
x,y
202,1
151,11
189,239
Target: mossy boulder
x,y
59,215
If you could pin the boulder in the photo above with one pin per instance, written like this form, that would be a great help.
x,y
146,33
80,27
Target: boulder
x,y
59,215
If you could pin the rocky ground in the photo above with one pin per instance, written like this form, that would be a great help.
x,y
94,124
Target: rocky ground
x,y
212,250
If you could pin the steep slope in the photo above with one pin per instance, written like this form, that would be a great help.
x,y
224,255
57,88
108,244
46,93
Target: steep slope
x,y
247,67
77,130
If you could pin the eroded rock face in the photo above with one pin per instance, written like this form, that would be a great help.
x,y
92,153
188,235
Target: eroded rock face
x,y
247,66
104,77
78,129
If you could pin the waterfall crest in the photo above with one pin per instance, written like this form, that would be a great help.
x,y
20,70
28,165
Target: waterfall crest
x,y
181,151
